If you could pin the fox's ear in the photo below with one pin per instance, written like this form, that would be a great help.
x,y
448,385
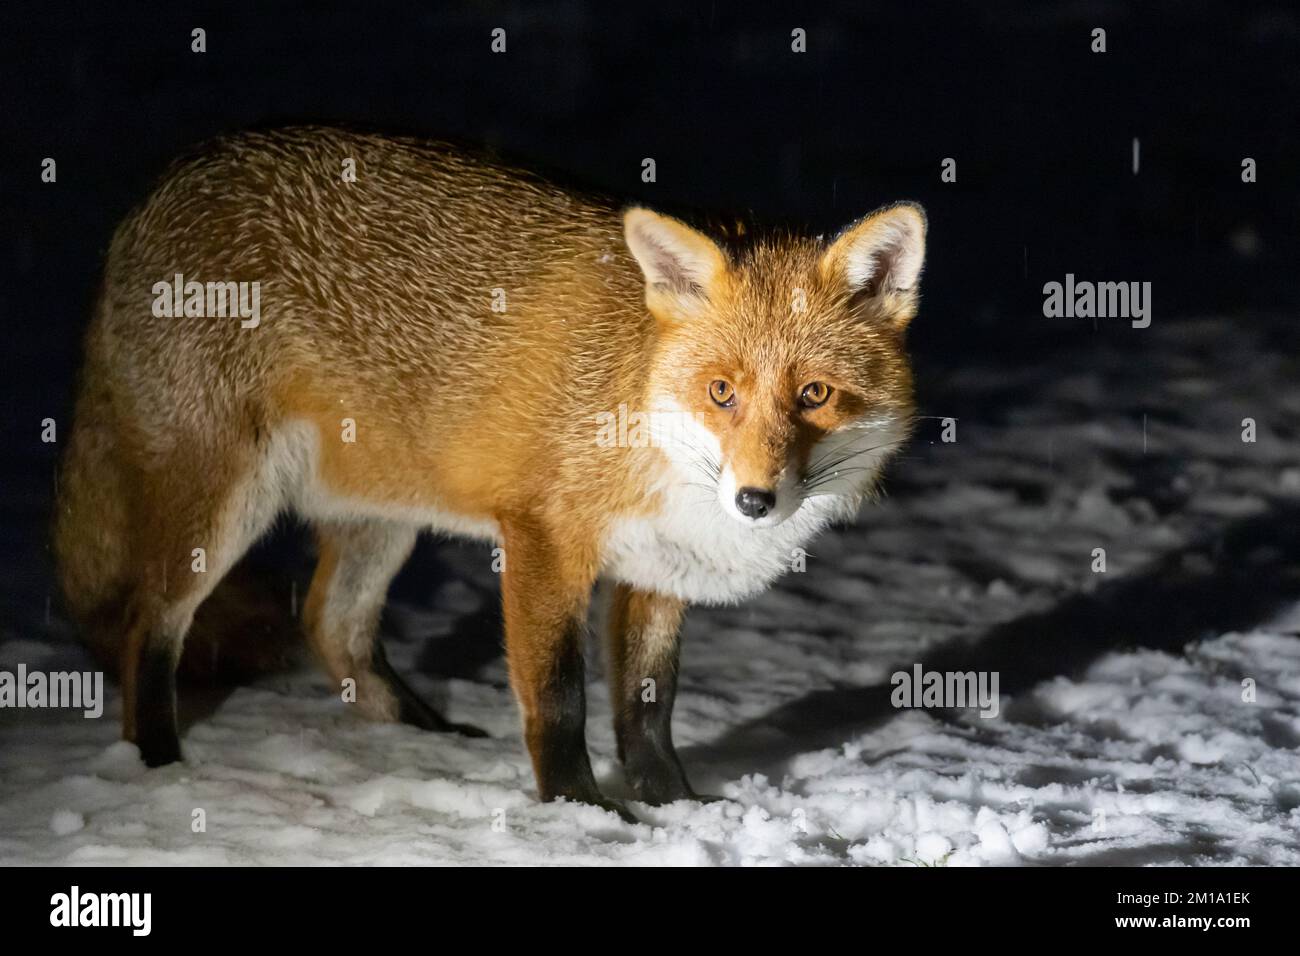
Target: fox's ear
x,y
879,258
682,267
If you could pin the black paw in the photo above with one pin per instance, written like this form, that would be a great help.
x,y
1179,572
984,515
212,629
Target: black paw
x,y
660,783
414,711
587,792
706,797
465,730
614,806
160,752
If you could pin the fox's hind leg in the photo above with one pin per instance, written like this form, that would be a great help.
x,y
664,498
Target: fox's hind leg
x,y
358,560
191,522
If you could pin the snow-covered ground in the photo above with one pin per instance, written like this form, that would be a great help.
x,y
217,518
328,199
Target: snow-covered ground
x,y
1122,737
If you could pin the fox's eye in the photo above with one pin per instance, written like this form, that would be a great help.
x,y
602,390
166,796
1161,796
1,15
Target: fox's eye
x,y
722,393
814,395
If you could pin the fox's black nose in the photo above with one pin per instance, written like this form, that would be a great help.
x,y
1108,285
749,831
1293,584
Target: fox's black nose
x,y
754,502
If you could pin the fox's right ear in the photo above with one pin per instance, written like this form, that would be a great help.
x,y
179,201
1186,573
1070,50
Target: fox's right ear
x,y
879,259
682,267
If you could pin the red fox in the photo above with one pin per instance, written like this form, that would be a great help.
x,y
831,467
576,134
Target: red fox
x,y
442,342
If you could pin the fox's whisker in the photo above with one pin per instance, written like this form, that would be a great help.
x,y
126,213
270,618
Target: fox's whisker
x,y
826,480
849,449
699,484
703,469
822,468
705,459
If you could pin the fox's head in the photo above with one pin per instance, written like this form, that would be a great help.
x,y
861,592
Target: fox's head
x,y
786,360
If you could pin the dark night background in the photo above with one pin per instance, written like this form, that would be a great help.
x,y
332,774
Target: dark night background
x,y
1040,126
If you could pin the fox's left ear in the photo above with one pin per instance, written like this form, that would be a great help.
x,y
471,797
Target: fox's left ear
x,y
682,267
879,260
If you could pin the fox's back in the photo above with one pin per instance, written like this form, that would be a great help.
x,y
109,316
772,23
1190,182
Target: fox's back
x,y
429,294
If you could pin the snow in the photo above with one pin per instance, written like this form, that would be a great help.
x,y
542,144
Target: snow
x,y
1127,732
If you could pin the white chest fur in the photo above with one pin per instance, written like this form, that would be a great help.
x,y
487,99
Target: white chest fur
x,y
693,551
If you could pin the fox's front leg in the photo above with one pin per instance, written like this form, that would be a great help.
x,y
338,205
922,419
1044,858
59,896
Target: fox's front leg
x,y
545,588
643,641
